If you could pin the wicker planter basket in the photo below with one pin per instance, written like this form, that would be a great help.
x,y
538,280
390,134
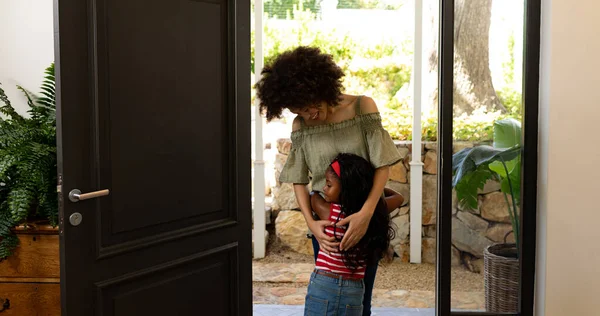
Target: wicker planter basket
x,y
501,278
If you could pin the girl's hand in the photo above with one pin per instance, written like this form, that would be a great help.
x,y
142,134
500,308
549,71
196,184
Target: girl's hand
x,y
358,223
326,243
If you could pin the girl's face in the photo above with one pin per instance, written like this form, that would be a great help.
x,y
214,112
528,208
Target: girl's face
x,y
312,113
332,187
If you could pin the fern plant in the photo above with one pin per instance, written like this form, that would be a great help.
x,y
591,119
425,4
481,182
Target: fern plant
x,y
28,174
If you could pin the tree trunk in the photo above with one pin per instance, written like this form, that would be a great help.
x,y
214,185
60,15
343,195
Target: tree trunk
x,y
473,87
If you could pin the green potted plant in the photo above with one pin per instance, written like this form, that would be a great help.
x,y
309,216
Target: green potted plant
x,y
472,168
28,175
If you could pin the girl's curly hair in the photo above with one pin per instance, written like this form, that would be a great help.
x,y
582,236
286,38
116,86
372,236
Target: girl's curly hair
x,y
356,179
298,78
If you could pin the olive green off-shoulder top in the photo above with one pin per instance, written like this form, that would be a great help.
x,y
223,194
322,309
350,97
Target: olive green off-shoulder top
x,y
314,147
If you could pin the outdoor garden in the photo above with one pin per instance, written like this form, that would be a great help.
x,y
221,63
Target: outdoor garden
x,y
373,42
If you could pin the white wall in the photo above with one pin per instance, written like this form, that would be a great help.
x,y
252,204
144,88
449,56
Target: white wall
x,y
568,269
26,46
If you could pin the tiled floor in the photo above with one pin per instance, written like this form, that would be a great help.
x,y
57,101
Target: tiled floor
x,y
298,310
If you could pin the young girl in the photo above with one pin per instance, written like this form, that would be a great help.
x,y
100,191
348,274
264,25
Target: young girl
x,y
336,286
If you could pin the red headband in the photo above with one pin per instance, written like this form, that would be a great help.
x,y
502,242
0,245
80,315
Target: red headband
x,y
336,168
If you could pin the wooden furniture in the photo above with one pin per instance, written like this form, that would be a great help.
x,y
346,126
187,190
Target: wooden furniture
x,y
30,278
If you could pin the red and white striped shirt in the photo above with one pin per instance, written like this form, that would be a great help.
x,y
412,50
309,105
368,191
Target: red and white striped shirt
x,y
335,262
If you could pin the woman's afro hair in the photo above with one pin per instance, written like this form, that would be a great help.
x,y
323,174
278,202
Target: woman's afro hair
x,y
298,78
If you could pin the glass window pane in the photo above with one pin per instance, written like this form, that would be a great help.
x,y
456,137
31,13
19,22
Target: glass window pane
x,y
487,123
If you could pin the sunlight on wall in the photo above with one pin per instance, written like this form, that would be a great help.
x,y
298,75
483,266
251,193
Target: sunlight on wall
x,y
26,46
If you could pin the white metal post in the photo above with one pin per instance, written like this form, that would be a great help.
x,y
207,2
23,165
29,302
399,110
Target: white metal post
x,y
259,164
416,166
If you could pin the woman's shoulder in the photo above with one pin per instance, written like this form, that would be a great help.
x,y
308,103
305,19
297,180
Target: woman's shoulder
x,y
367,105
297,123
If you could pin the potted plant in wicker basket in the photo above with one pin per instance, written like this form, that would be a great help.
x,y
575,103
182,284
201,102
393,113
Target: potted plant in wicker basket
x,y
472,168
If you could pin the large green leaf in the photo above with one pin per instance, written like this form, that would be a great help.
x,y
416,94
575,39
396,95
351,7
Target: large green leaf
x,y
507,133
467,189
498,167
515,183
469,159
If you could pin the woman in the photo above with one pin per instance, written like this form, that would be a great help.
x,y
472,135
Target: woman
x,y
328,122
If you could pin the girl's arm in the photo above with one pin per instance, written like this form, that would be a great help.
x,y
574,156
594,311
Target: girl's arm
x,y
393,199
359,222
317,227
319,205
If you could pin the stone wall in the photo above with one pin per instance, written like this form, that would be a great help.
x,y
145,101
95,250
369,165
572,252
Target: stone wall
x,y
472,230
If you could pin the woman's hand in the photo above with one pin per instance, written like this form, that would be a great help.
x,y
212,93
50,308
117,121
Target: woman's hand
x,y
358,223
326,243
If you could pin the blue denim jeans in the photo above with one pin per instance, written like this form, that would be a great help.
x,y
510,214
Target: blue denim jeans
x,y
328,296
369,281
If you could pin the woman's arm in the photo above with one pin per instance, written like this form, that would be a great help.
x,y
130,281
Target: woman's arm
x,y
326,243
317,227
393,199
359,222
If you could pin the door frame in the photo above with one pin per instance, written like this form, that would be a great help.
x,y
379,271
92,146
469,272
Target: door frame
x,y
528,206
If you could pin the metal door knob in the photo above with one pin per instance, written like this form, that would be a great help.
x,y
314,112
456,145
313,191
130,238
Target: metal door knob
x,y
75,195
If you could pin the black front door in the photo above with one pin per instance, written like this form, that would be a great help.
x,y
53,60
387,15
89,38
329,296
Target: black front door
x,y
154,106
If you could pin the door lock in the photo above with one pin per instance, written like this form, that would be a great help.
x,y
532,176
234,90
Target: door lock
x,y
75,219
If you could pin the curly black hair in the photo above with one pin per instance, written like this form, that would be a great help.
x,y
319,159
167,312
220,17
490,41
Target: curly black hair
x,y
298,78
356,180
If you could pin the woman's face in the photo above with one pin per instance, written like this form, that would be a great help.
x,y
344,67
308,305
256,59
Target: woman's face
x,y
312,113
332,187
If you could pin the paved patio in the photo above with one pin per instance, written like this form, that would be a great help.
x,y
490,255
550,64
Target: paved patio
x,y
276,287
296,310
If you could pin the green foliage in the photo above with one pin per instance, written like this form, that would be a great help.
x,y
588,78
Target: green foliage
x,y
510,98
477,127
472,167
370,4
281,9
467,189
385,78
376,70
28,162
381,71
509,65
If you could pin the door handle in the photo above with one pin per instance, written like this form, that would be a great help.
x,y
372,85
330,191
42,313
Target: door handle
x,y
75,195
